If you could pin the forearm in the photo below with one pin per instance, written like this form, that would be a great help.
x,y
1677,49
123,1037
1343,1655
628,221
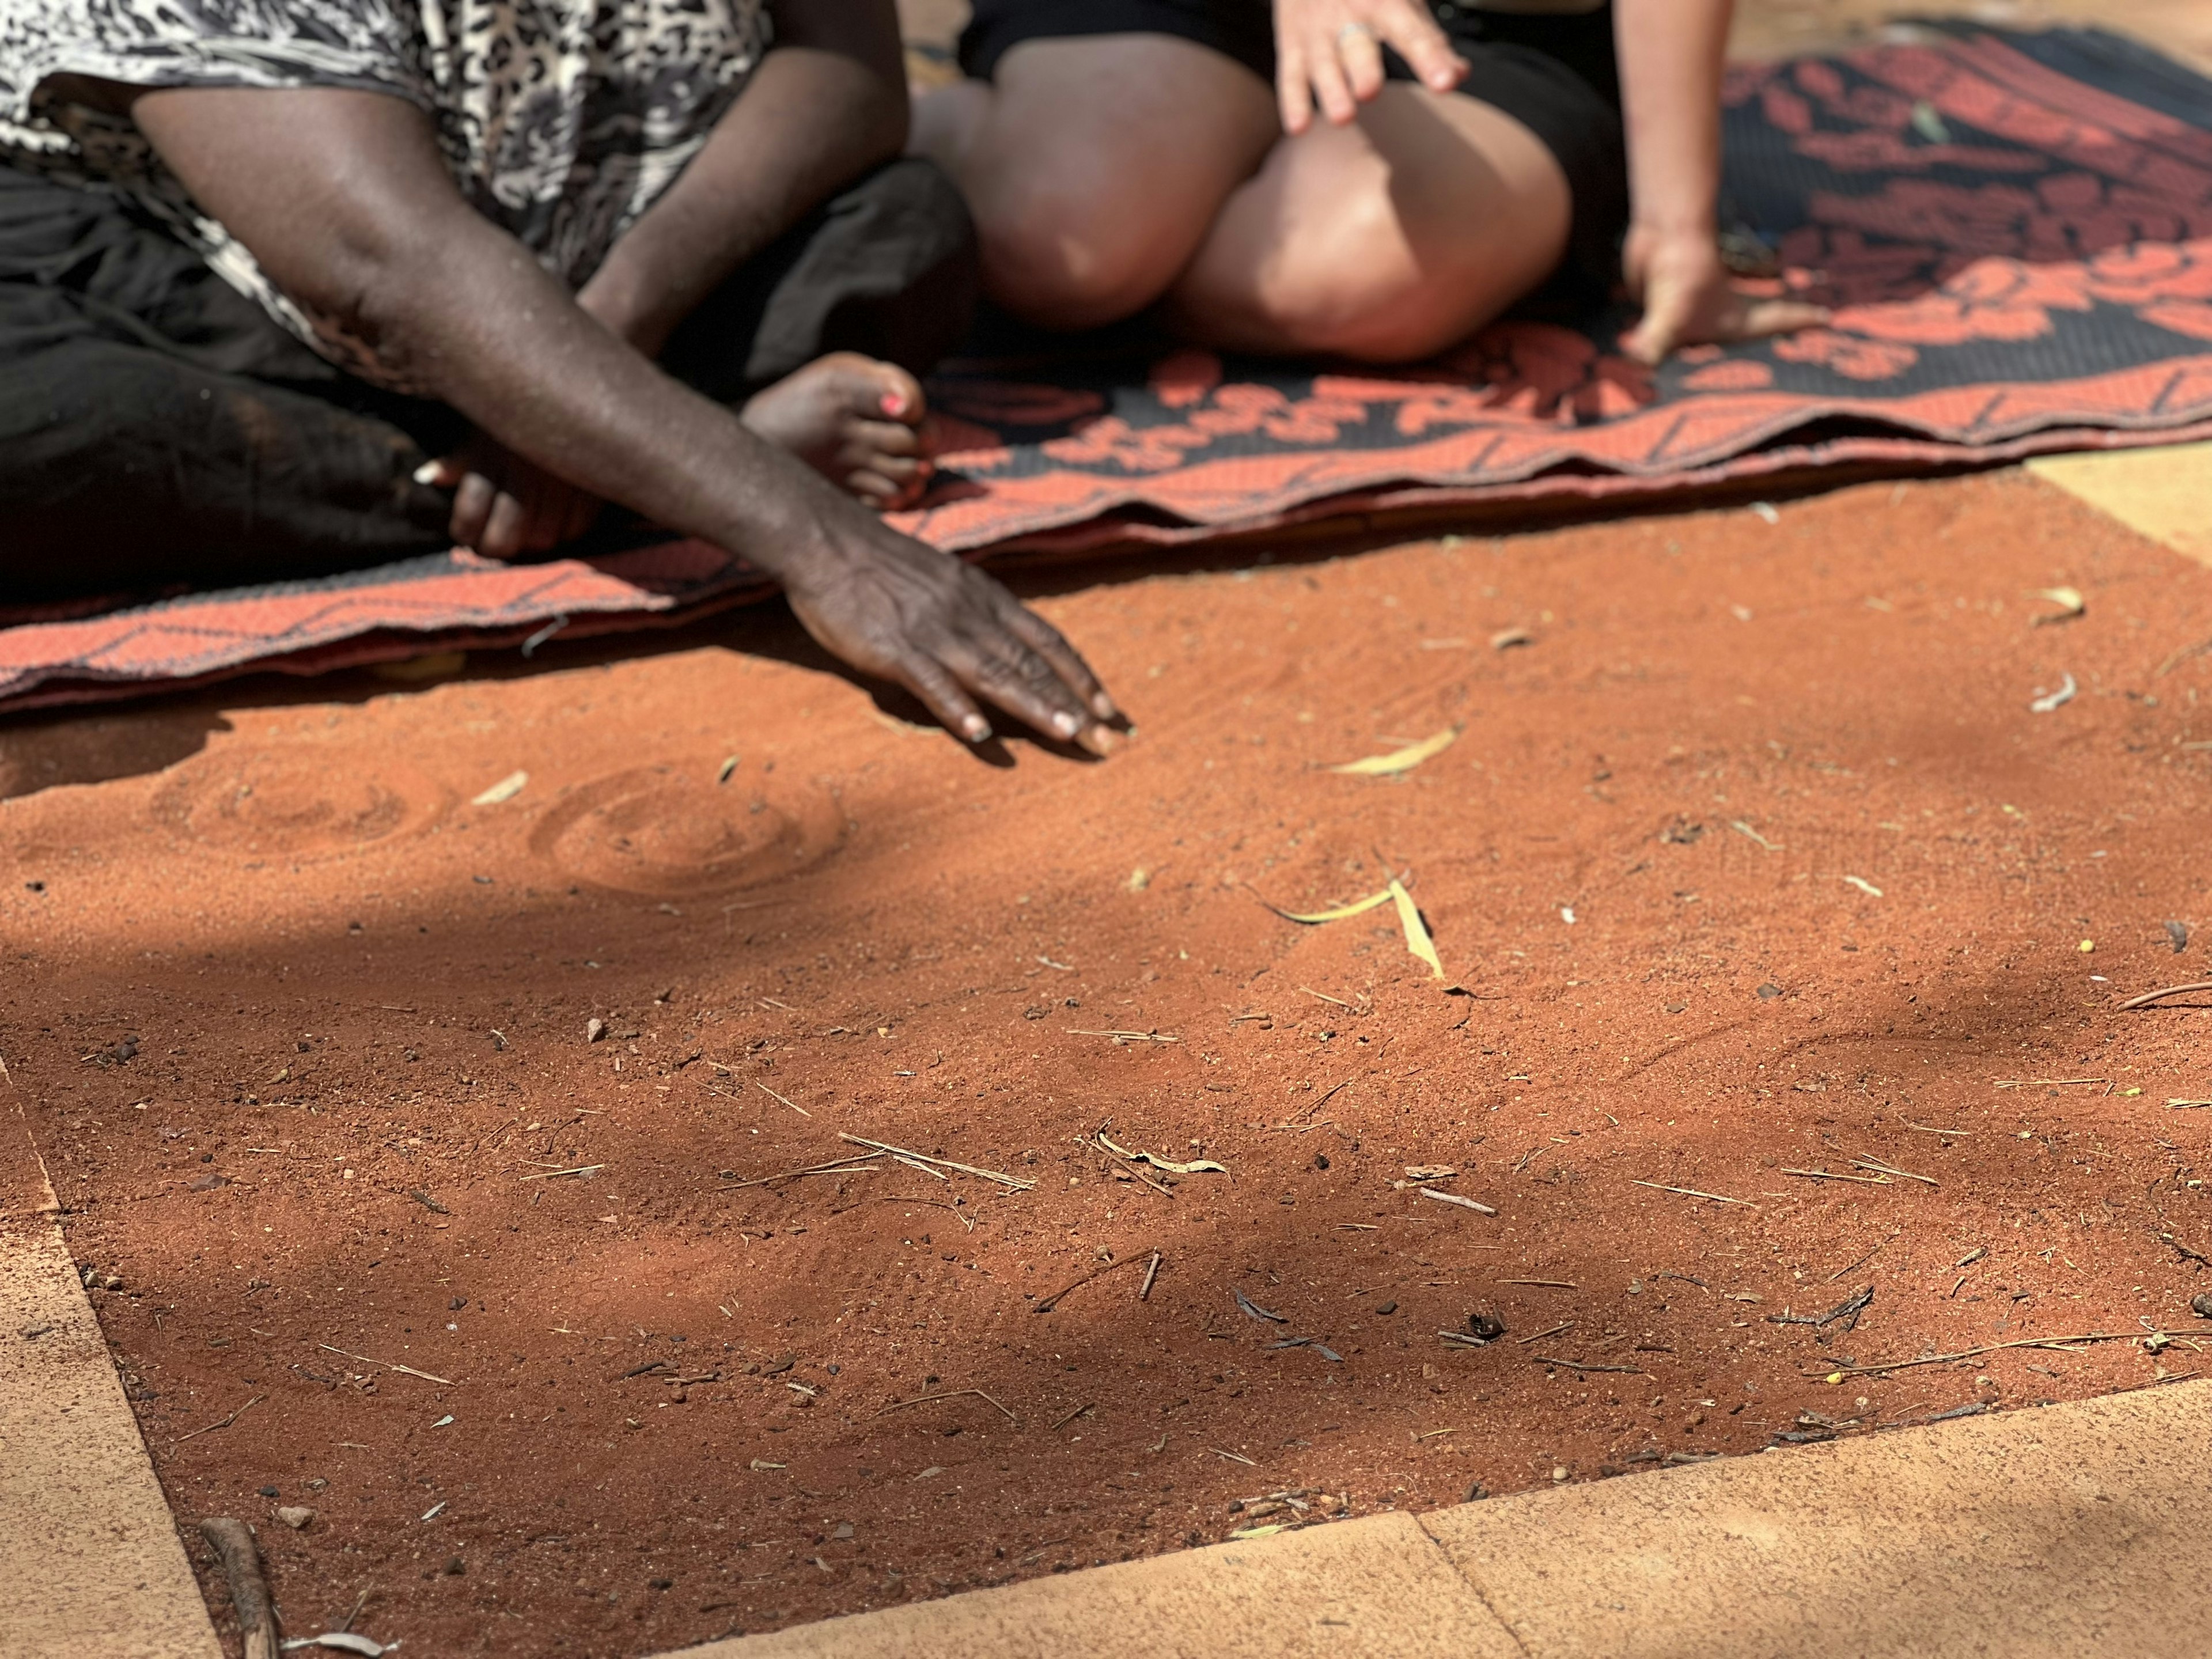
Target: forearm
x,y
828,104
1671,56
484,329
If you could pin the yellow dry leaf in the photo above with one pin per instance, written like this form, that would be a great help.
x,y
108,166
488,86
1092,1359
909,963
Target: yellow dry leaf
x,y
2069,600
1196,1166
1341,913
1401,760
1417,933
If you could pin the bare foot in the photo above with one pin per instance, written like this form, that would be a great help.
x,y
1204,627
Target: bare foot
x,y
854,420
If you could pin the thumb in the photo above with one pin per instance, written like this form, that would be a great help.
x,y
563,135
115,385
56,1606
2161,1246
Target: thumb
x,y
1666,314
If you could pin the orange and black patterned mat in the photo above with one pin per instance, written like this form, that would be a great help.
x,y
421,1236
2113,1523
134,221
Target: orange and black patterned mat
x,y
2014,230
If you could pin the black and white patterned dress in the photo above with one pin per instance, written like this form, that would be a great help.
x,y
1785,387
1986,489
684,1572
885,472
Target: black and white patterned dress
x,y
561,120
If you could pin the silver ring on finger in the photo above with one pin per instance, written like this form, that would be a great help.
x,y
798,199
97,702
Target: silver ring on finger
x,y
1354,30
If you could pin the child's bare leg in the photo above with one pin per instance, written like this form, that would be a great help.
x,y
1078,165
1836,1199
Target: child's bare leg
x,y
1094,165
1387,240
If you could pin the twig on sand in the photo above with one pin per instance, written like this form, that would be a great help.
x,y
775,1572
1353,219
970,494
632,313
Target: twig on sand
x,y
2149,997
1127,1164
772,1095
1454,1198
941,1162
1145,1290
1070,1418
1046,1304
225,1424
1877,1167
1930,1129
232,1542
842,1166
1863,1259
2060,1342
1577,1365
580,1169
390,1365
1691,1192
1566,1325
954,1393
1830,1175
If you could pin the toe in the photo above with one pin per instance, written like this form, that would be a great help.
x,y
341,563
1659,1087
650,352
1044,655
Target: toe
x,y
885,437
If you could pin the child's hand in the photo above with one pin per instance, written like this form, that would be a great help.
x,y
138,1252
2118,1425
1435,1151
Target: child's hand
x,y
1690,300
1330,53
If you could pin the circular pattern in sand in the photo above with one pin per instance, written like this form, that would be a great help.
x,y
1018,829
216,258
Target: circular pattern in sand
x,y
292,803
661,831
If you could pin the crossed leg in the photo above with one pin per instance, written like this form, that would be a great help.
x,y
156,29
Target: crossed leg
x,y
1095,165
1109,172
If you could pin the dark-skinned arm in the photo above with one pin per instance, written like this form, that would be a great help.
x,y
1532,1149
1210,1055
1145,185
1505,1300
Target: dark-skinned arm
x,y
343,198
826,104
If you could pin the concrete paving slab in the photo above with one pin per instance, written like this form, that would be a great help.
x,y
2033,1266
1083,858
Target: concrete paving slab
x,y
90,1564
1377,1587
2077,1529
2165,494
2082,1528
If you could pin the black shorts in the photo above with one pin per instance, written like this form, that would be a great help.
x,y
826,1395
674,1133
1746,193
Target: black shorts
x,y
1555,73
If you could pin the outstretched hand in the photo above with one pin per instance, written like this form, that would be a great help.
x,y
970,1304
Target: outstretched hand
x,y
1330,53
1689,298
504,505
901,610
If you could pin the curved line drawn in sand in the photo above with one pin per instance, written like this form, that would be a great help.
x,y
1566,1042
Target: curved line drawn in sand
x,y
661,832
292,804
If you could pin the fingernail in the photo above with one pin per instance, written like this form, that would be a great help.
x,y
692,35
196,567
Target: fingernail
x,y
426,473
894,404
1067,725
1103,706
976,731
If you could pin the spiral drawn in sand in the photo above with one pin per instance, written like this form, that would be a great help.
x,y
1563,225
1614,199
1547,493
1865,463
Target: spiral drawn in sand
x,y
292,803
660,830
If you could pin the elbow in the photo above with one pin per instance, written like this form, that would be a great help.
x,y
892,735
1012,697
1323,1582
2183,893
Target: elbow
x,y
379,300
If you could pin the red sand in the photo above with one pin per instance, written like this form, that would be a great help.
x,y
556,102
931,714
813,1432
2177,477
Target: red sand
x,y
360,1003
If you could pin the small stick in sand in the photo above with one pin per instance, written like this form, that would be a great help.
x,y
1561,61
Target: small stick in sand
x,y
2059,1342
1929,1129
580,1170
1830,1175
1070,1418
1525,1341
232,1542
390,1365
226,1422
1153,1272
842,1166
1577,1365
941,1162
1543,1284
1046,1304
1691,1192
2149,997
955,1394
1454,1198
772,1095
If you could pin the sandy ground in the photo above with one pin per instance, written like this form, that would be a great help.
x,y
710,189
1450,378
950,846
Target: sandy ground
x,y
1754,860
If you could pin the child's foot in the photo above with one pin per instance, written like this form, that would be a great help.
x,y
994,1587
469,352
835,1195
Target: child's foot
x,y
854,420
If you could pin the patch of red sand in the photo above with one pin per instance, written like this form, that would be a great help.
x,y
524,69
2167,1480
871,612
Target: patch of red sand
x,y
361,1002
